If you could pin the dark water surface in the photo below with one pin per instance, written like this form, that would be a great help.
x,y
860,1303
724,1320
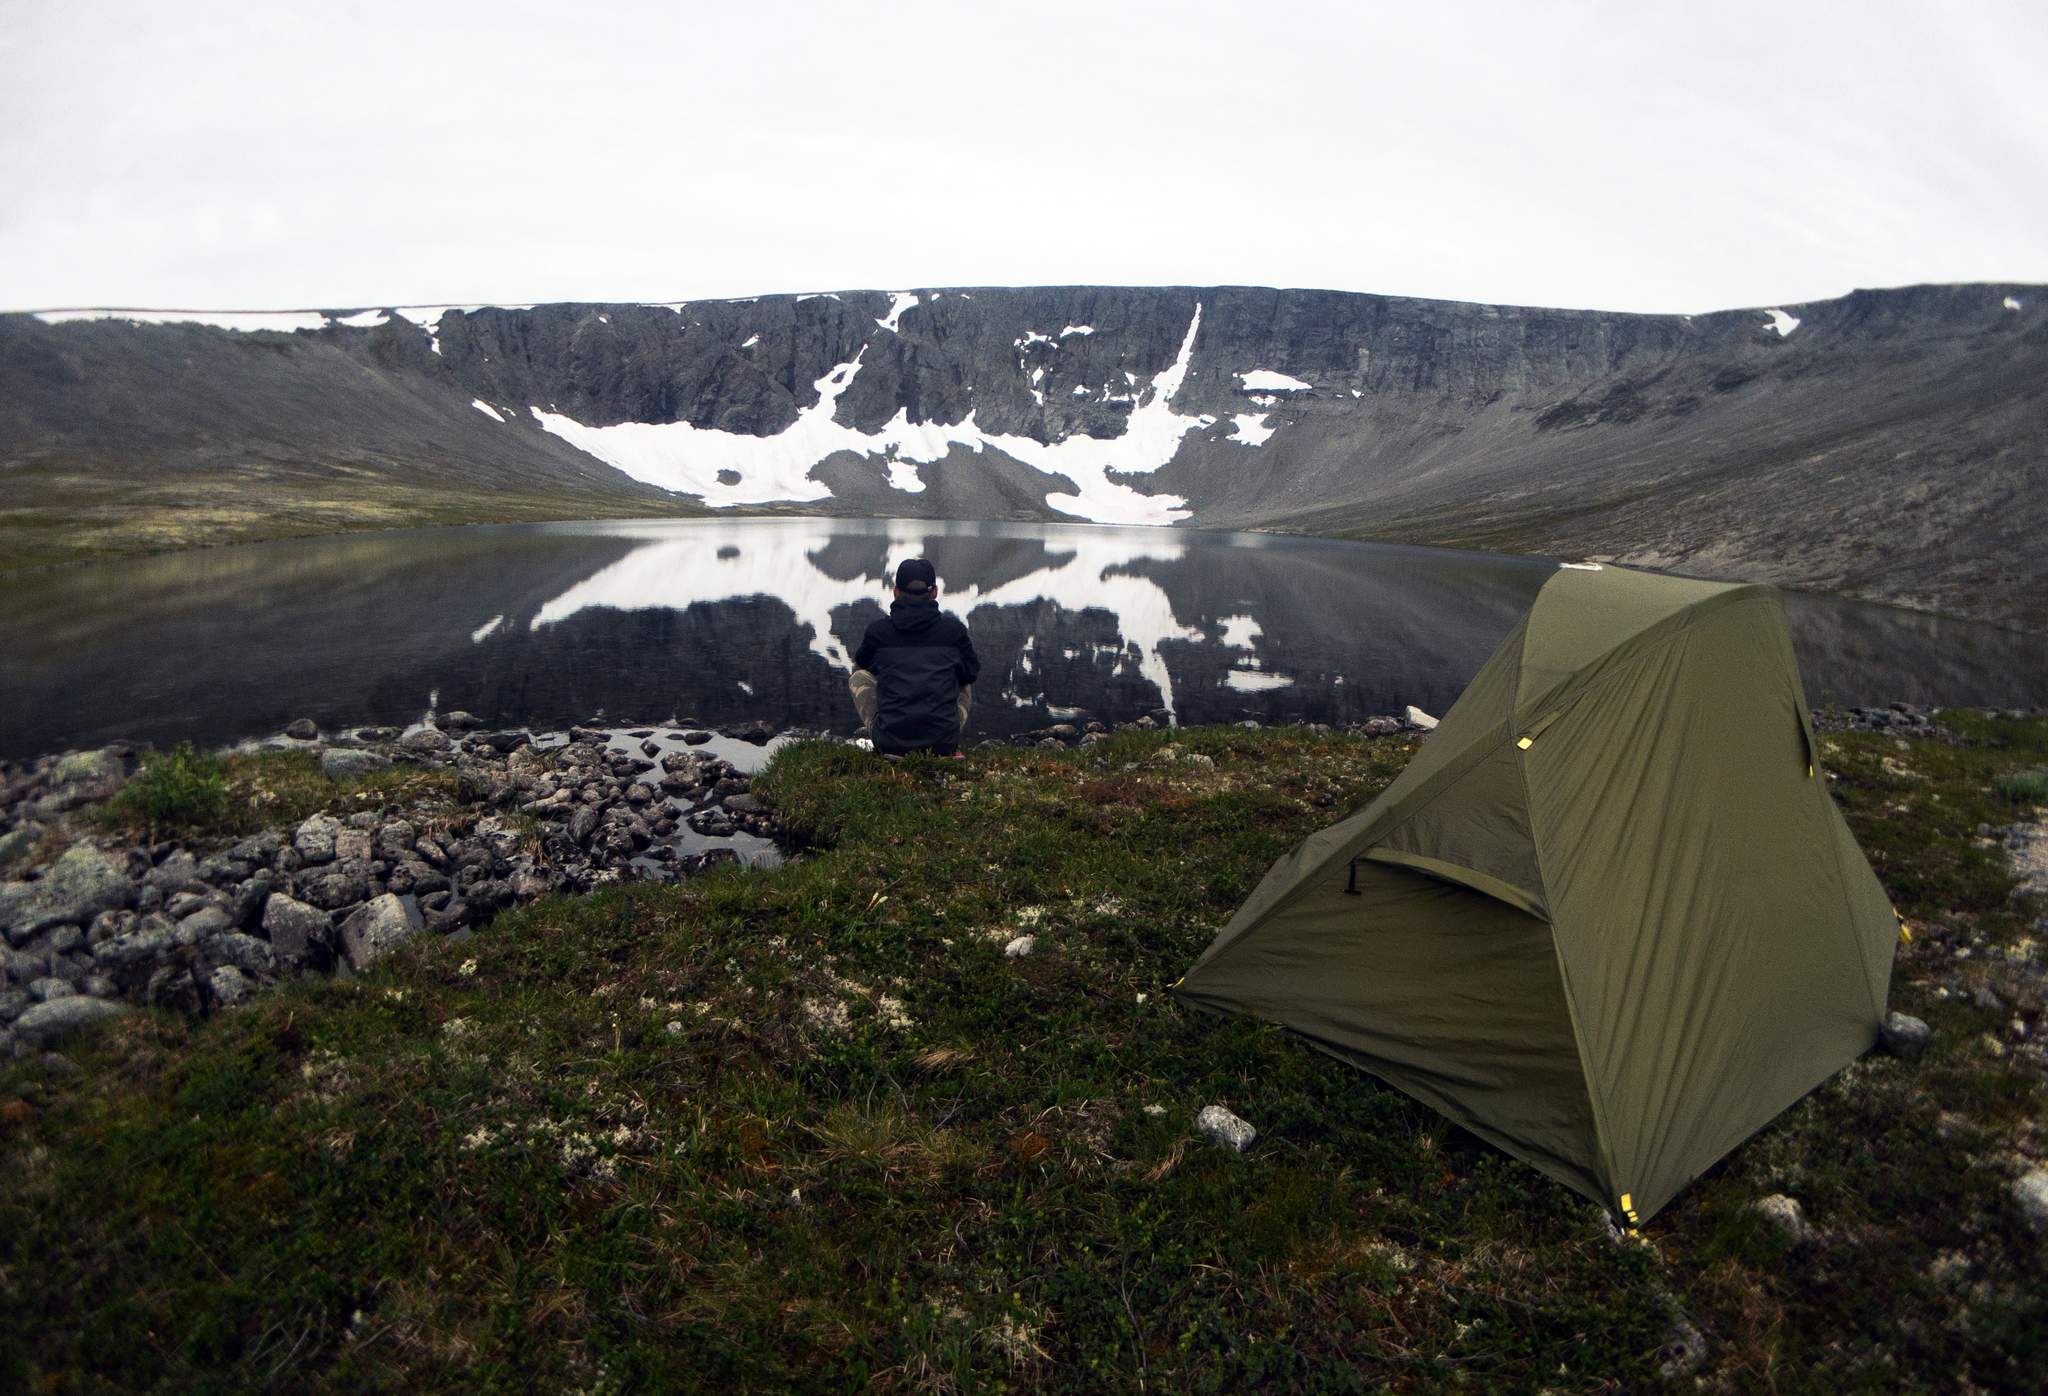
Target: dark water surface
x,y
719,621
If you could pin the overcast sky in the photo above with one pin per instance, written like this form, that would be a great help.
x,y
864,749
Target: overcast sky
x,y
1630,156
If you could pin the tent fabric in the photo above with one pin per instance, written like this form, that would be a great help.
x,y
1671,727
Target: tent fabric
x,y
1609,917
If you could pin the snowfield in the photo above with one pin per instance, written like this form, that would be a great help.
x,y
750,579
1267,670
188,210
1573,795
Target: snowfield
x,y
688,460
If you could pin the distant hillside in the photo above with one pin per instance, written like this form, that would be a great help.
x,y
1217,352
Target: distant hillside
x,y
1888,445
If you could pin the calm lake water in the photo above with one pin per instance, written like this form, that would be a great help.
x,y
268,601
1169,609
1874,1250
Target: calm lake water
x,y
719,621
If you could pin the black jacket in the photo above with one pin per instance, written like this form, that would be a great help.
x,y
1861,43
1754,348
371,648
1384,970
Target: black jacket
x,y
921,658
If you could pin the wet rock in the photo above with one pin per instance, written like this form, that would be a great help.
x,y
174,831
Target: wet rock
x,y
295,928
46,1022
1904,1035
425,742
1225,1129
459,721
502,742
744,804
697,864
696,738
340,765
79,886
1784,1213
302,730
376,928
756,732
639,793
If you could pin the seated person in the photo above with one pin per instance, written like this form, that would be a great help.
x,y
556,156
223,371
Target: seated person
x,y
913,675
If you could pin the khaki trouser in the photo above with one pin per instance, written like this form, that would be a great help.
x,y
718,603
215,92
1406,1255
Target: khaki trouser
x,y
867,700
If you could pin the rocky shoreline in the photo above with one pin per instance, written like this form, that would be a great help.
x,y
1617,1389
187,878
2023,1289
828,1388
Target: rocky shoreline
x,y
194,927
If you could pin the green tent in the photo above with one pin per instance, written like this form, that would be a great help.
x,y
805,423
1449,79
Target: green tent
x,y
1609,918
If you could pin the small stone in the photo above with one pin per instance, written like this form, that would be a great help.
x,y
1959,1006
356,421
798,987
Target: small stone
x,y
1905,1035
460,721
253,957
744,803
17,847
302,730
1418,718
339,765
1225,1129
1784,1213
47,1021
696,738
1020,947
57,1064
2031,1194
1155,1110
1984,998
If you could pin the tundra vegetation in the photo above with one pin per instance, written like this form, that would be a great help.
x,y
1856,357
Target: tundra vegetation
x,y
814,1129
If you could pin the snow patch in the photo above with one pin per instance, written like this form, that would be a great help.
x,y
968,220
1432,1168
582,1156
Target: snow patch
x,y
1781,322
1252,429
482,632
239,321
1254,682
1080,390
899,301
489,411
903,476
1267,381
818,296
2015,303
1240,631
364,319
751,342
1031,337
1077,329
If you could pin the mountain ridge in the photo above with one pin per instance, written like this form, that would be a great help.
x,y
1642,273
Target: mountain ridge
x,y
1885,444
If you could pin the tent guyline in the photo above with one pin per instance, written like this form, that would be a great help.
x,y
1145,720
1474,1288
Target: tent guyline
x,y
1607,919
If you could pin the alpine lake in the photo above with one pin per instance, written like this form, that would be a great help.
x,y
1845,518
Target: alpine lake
x,y
717,622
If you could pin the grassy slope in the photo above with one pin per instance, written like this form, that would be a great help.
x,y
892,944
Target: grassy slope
x,y
53,514
498,1167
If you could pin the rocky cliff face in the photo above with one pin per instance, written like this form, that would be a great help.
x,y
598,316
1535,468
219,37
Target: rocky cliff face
x,y
1889,444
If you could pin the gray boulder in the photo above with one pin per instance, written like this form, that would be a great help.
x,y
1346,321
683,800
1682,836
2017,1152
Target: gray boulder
x,y
745,804
49,1021
129,958
253,957
49,987
338,765
258,848
315,838
176,874
396,841
1225,1129
301,729
203,925
79,886
342,885
426,741
1904,1035
294,928
377,927
229,986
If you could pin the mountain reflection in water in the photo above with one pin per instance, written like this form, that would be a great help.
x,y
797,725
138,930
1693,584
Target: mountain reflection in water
x,y
720,621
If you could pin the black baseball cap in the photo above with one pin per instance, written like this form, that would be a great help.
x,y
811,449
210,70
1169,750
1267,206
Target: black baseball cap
x,y
916,575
